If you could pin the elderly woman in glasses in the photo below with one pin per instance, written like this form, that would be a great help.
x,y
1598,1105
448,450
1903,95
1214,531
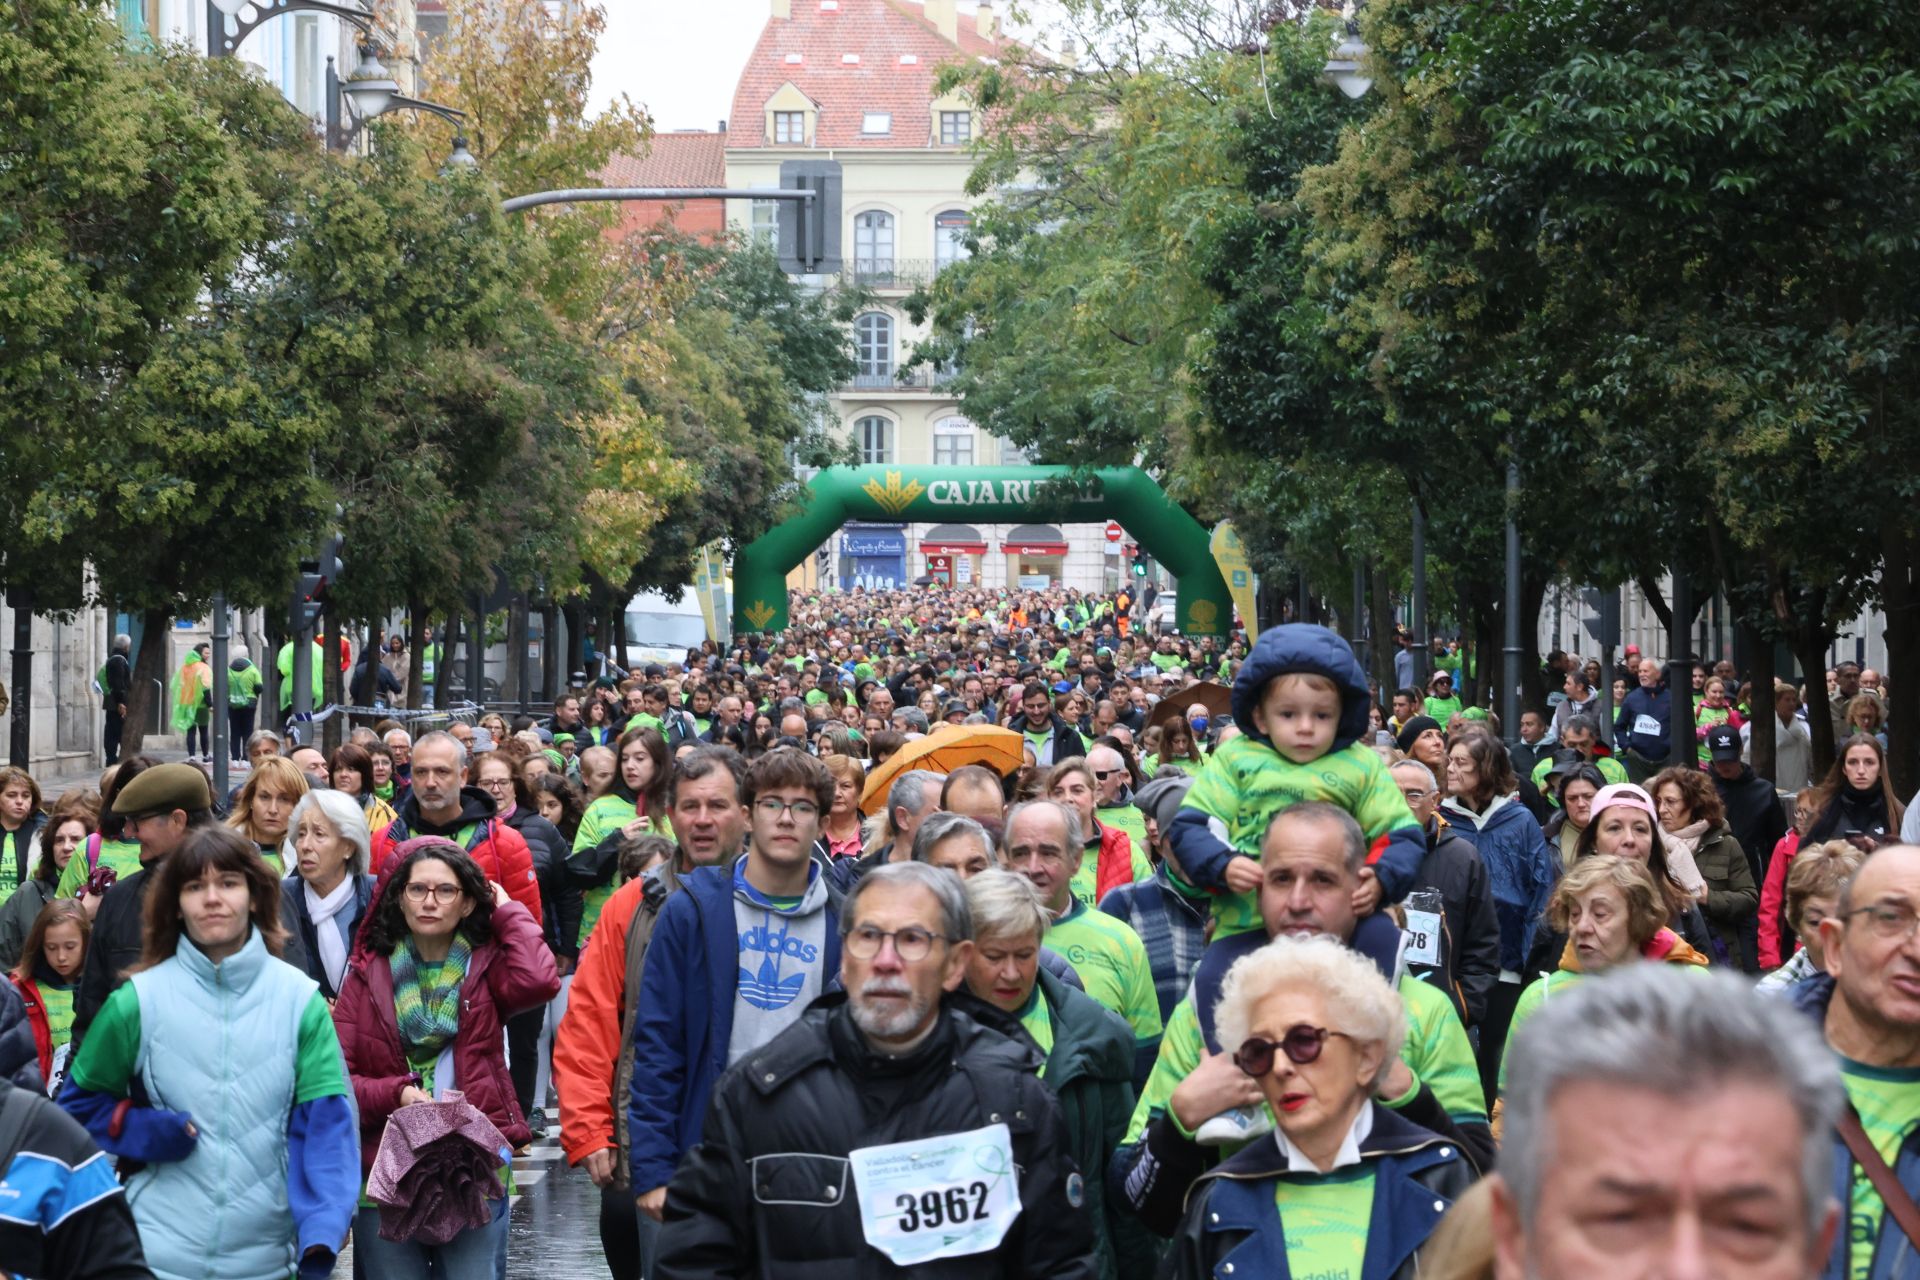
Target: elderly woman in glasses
x,y
1358,1189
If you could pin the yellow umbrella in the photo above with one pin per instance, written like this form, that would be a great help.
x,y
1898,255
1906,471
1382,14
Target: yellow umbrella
x,y
948,747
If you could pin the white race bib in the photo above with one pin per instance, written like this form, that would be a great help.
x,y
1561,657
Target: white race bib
x,y
1646,726
1423,937
938,1197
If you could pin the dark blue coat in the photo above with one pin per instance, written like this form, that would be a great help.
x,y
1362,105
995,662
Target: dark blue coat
x,y
1303,647
1234,1227
686,1020
1639,702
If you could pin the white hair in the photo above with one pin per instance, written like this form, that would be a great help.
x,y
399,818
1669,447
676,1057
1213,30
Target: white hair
x,y
346,817
1359,1001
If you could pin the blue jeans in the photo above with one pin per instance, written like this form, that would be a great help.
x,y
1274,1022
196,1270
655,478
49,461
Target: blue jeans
x,y
478,1253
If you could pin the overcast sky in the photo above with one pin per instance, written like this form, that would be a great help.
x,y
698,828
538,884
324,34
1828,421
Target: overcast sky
x,y
678,60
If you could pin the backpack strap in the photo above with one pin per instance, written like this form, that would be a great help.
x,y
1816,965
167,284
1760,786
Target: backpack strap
x,y
1900,1205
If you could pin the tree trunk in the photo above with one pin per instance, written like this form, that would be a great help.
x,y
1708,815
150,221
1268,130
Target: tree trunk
x,y
149,665
1533,686
443,674
1384,647
1899,598
417,626
1760,703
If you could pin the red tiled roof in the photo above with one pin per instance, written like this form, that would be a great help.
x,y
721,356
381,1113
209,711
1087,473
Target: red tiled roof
x,y
692,159
879,31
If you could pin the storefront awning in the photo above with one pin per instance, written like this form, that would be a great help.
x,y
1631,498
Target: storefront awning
x,y
953,548
1036,548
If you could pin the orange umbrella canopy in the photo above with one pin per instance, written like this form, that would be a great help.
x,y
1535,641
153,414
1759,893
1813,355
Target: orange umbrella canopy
x,y
948,747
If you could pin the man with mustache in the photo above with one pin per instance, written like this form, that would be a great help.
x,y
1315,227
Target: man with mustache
x,y
889,1125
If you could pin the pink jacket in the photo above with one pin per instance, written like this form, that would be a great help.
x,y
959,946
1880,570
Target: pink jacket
x,y
509,973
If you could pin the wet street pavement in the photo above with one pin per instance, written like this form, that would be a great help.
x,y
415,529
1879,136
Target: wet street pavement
x,y
553,1224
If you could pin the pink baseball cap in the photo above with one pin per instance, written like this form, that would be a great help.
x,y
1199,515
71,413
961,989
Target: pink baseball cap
x,y
1624,793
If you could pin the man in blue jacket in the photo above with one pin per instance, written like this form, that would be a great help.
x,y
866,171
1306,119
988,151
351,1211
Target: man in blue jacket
x,y
736,958
1640,730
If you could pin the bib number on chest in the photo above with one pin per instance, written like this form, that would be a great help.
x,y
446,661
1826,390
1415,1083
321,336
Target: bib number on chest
x,y
1646,726
945,1196
1423,937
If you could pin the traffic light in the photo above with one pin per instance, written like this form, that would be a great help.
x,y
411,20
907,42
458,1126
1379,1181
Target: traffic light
x,y
1142,565
317,576
1604,623
808,235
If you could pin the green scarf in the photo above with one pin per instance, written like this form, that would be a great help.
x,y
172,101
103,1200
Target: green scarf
x,y
429,1015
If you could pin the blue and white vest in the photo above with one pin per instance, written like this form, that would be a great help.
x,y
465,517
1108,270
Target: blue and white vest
x,y
220,1043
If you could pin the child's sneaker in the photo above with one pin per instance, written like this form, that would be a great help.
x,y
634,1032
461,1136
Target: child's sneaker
x,y
1242,1124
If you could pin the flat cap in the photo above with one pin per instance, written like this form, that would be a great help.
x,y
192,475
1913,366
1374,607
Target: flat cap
x,y
164,788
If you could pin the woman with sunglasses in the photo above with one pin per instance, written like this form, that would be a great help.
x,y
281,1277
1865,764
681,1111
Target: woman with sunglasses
x,y
1358,1188
445,960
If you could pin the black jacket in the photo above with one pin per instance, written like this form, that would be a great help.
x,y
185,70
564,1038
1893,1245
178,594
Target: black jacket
x,y
295,919
1754,815
57,1165
1470,951
561,909
19,1053
767,1191
1064,734
119,681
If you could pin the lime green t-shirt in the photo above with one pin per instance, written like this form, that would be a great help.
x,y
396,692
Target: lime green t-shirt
x,y
1888,1100
1112,964
603,817
12,857
58,1002
1437,1051
122,855
1037,1020
1325,1217
1247,782
1130,820
1441,709
1086,881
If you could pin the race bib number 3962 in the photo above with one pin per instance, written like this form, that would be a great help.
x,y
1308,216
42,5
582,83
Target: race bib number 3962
x,y
943,1196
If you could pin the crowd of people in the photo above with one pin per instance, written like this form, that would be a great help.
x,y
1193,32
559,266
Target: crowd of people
x,y
1238,965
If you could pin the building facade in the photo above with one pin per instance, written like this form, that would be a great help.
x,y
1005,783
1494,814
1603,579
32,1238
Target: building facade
x,y
856,81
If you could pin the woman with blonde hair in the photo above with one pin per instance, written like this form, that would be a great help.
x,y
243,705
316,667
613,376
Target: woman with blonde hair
x,y
264,807
1813,893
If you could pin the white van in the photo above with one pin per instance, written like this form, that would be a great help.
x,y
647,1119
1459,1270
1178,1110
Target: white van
x,y
662,630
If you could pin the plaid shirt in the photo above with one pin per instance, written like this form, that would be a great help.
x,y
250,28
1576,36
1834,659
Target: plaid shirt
x,y
1171,925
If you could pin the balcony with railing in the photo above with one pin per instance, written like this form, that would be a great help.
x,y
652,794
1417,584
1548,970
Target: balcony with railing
x,y
919,378
893,273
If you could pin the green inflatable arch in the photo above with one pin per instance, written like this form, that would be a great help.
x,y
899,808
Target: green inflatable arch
x,y
931,494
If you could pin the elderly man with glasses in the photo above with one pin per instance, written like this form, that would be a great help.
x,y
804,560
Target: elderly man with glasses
x,y
1868,1005
889,1127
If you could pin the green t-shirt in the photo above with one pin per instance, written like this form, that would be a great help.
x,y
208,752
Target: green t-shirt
x,y
243,686
12,858
1888,1100
1442,709
1130,820
1086,881
1247,782
122,855
1325,1217
58,1001
1037,1019
1112,964
1437,1051
1610,769
603,817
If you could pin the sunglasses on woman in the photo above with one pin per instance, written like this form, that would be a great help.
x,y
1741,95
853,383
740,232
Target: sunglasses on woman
x,y
1301,1044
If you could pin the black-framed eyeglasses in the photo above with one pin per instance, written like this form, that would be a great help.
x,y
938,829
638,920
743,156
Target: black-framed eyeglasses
x,y
912,943
1302,1044
1101,775
772,807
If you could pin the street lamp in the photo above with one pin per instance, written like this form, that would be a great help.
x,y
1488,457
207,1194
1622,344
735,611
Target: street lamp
x,y
1344,68
369,90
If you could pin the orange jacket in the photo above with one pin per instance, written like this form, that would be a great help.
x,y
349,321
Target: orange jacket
x,y
587,1048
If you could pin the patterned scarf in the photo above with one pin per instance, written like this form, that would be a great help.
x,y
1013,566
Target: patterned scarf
x,y
428,1015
